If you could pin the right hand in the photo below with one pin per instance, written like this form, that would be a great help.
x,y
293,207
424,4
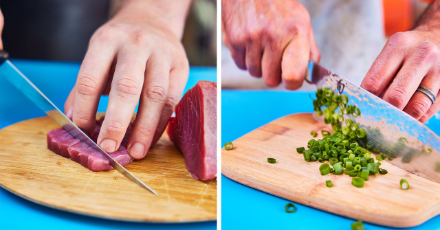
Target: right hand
x,y
270,38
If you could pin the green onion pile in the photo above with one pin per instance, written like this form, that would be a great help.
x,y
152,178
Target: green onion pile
x,y
341,148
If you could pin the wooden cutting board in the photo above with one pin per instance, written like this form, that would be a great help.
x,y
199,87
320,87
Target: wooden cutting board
x,y
380,201
28,169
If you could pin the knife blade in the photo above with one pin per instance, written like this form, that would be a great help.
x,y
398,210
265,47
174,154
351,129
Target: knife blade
x,y
25,86
410,144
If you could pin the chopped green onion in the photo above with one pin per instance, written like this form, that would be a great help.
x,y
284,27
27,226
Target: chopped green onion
x,y
358,182
338,168
360,133
404,184
345,130
324,169
333,161
358,225
314,134
300,150
356,112
289,208
354,126
325,133
329,183
364,174
229,146
344,99
383,171
272,160
358,167
318,113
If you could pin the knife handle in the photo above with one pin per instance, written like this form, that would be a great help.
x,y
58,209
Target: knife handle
x,y
3,56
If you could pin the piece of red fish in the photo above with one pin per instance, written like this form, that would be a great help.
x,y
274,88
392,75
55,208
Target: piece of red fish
x,y
64,144
194,130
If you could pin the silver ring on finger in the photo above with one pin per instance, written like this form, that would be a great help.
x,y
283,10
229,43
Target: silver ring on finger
x,y
427,92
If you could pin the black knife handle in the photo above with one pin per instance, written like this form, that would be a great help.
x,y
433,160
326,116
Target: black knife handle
x,y
3,56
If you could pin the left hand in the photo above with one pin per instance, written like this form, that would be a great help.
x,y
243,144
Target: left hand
x,y
408,60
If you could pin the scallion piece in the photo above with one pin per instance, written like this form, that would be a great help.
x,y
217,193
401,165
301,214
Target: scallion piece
x,y
338,168
364,174
314,134
358,225
325,133
289,208
345,130
360,133
329,183
356,112
404,185
324,169
344,99
300,150
358,167
229,146
272,160
333,161
358,182
383,171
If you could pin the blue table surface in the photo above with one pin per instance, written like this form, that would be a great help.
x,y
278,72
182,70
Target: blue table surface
x,y
56,79
247,208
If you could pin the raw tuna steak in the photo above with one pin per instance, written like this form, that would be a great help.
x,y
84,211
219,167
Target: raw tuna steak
x,y
194,130
64,144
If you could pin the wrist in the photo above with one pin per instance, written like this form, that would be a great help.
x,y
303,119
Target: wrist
x,y
169,15
430,20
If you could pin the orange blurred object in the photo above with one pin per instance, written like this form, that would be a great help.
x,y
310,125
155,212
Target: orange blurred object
x,y
397,16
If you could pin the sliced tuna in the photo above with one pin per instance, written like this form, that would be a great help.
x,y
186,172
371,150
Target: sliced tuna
x,y
64,144
194,130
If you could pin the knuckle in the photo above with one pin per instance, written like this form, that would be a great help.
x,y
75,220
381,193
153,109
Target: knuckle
x,y
103,34
236,39
138,37
429,51
372,84
254,34
297,29
171,102
145,131
397,97
87,86
418,109
127,87
115,127
81,121
400,39
156,93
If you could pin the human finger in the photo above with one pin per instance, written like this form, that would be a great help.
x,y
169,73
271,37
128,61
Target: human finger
x,y
123,98
152,102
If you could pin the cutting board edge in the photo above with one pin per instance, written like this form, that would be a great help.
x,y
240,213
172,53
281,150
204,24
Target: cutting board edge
x,y
360,216
138,220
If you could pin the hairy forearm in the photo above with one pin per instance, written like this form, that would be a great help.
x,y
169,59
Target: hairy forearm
x,y
171,13
430,20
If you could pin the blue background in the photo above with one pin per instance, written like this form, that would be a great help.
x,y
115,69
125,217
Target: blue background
x,y
55,80
247,208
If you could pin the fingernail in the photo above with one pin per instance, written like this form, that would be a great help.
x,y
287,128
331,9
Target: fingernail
x,y
137,150
108,145
69,113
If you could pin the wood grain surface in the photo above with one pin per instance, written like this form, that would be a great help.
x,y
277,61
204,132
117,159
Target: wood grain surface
x,y
381,201
30,170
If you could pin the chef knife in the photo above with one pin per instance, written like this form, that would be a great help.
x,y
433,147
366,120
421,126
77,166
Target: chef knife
x,y
409,144
25,86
